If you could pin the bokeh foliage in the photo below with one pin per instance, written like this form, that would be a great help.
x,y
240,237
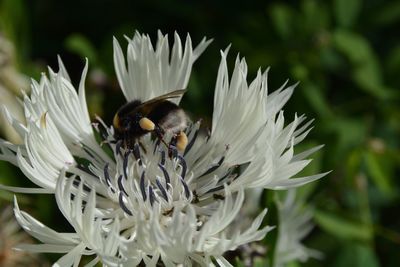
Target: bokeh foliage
x,y
345,53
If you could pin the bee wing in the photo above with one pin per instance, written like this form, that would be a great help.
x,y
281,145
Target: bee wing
x,y
144,108
173,94
147,106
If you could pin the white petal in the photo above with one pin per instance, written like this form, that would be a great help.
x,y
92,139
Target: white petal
x,y
72,258
40,231
149,72
26,190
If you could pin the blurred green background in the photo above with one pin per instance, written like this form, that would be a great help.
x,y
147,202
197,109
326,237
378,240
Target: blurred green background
x,y
345,53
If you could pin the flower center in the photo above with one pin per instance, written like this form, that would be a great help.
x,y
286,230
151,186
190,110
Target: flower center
x,y
147,173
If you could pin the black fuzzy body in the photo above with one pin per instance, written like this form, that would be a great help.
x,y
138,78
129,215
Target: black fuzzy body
x,y
167,116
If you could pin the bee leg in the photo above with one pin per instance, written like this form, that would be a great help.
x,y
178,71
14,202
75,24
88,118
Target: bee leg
x,y
148,125
160,134
172,151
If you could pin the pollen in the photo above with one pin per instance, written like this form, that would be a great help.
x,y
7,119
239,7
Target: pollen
x,y
147,124
182,141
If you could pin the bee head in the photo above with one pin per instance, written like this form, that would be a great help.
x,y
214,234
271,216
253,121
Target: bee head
x,y
123,118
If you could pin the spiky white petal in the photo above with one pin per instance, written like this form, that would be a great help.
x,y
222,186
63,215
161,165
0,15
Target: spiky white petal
x,y
253,134
53,241
153,71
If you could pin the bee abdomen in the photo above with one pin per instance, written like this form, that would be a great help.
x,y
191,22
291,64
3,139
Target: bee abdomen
x,y
169,117
174,122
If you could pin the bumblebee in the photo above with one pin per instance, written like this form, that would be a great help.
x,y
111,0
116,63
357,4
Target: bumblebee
x,y
158,116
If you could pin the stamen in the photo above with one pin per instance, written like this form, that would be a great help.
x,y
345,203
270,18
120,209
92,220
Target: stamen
x,y
162,158
143,187
86,169
166,176
183,165
228,173
186,187
121,186
118,146
152,196
107,175
88,151
213,168
77,183
218,197
191,142
108,178
162,190
156,145
123,206
125,163
215,189
136,153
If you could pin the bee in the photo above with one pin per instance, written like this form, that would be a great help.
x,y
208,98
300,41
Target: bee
x,y
157,115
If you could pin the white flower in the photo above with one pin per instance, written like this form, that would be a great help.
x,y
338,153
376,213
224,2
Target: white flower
x,y
294,225
141,204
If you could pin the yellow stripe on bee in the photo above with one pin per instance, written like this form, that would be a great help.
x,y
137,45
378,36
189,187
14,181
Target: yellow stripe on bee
x,y
147,124
116,121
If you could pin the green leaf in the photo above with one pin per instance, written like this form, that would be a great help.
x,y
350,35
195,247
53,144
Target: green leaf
x,y
14,24
80,45
343,228
389,13
350,132
258,262
346,12
293,264
393,60
314,17
354,162
356,255
281,16
239,263
378,173
365,65
317,100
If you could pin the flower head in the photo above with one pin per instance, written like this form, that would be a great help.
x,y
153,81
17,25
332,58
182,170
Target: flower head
x,y
144,202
